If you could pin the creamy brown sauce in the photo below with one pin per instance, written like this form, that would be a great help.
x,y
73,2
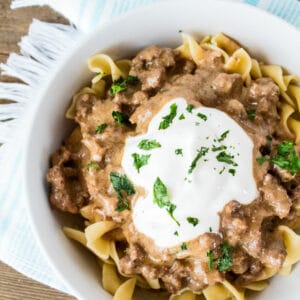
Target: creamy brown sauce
x,y
250,229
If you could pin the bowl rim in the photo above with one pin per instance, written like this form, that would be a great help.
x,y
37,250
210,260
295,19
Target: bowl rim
x,y
63,61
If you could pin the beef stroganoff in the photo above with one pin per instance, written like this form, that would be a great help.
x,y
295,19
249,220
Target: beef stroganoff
x,y
184,164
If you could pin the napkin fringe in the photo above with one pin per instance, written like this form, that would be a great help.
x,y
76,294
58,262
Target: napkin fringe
x,y
40,50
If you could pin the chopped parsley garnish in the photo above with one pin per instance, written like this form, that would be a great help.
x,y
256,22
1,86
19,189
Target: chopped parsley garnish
x,y
120,84
120,118
232,171
176,233
183,246
149,144
223,136
92,165
210,260
100,128
210,229
140,160
251,114
193,221
286,157
168,119
178,152
121,184
202,152
181,117
202,116
222,171
190,107
226,158
162,199
220,148
224,261
261,160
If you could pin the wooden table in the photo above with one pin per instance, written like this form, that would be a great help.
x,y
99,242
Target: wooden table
x,y
13,25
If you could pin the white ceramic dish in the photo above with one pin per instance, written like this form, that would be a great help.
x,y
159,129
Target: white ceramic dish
x,y
267,38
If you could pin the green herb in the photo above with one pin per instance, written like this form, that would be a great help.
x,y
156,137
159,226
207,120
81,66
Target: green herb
x,y
100,128
176,233
121,184
222,171
251,114
149,144
162,199
226,158
225,259
232,172
181,117
120,84
202,116
269,138
120,118
261,160
140,160
211,260
190,107
223,136
286,157
193,221
92,165
202,152
178,152
210,229
220,148
168,119
183,246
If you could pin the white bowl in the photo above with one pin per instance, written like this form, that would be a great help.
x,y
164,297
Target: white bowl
x,y
267,38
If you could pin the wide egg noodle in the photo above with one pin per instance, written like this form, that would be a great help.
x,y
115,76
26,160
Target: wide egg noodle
x,y
225,43
75,235
103,65
240,62
95,242
71,111
110,279
190,49
125,290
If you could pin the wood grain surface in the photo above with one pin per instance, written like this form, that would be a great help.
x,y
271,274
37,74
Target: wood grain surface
x,y
13,25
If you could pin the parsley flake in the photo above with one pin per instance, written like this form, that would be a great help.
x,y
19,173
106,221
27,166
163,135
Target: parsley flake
x,y
251,114
232,171
202,152
226,158
189,108
92,165
211,260
225,259
120,118
149,144
100,128
168,119
162,199
220,148
121,184
223,136
178,152
193,221
140,160
120,84
183,246
286,157
202,116
261,160
176,233
181,117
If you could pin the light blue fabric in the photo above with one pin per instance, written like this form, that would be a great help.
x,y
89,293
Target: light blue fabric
x,y
17,245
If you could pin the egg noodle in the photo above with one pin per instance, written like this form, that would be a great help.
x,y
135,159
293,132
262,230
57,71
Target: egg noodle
x,y
236,60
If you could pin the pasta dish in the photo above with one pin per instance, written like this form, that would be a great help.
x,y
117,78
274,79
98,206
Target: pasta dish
x,y
183,168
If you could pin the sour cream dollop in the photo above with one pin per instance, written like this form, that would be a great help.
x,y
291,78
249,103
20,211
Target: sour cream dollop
x,y
204,160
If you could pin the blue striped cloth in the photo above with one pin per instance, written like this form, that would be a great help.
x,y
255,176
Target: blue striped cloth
x,y
18,247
